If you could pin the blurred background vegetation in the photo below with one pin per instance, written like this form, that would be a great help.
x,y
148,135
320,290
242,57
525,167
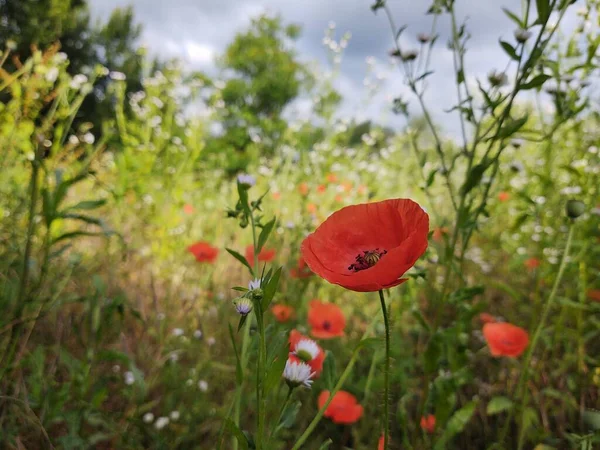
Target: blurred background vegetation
x,y
108,172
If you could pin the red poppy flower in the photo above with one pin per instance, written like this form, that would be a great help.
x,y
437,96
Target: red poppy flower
x,y
311,208
276,195
326,320
368,247
343,409
505,339
362,189
428,423
594,294
301,270
203,252
188,209
346,186
381,443
265,255
332,177
487,318
439,233
306,350
303,188
321,188
503,196
282,313
532,263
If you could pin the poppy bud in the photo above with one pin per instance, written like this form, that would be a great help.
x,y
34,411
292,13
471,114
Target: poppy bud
x,y
423,38
497,79
522,35
575,208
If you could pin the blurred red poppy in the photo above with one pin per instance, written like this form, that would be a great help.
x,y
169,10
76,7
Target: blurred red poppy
x,y
503,196
303,188
311,208
343,409
439,233
594,294
306,350
203,252
428,423
505,339
368,247
327,320
486,318
265,255
188,209
381,443
301,270
282,313
321,188
532,263
332,177
276,195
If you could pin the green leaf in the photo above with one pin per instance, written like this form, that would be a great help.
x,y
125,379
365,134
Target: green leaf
x,y
73,235
264,234
242,322
498,404
513,17
510,50
83,218
591,417
235,430
270,289
543,9
88,204
289,415
511,127
466,294
535,82
474,177
456,424
241,259
325,445
432,354
275,371
239,375
329,375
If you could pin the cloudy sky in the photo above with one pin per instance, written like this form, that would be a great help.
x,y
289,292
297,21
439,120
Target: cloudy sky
x,y
197,30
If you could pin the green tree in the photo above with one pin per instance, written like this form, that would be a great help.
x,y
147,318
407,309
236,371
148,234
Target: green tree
x,y
262,76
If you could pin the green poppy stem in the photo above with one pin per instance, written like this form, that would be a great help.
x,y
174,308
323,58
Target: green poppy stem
x,y
386,374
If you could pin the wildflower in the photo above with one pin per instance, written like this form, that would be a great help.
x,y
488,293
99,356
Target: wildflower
x,y
321,188
326,320
198,334
177,332
282,313
439,233
505,339
174,415
148,417
73,140
297,373
381,443
331,177
117,76
52,75
311,208
254,284
522,35
211,341
532,263
301,270
428,423
503,196
594,294
129,378
487,318
161,422
204,252
497,79
265,255
423,38
306,350
303,189
203,385
89,138
243,305
409,55
188,209
246,180
368,247
343,409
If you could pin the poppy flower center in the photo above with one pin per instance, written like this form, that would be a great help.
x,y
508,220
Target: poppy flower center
x,y
366,259
326,325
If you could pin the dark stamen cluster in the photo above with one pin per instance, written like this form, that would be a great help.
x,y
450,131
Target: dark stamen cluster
x,y
366,259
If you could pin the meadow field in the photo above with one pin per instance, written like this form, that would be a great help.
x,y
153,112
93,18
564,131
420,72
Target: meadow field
x,y
247,278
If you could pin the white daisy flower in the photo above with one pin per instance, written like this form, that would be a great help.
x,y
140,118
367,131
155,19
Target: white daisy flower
x,y
211,341
198,334
298,373
174,415
203,385
161,422
177,332
129,378
148,417
306,350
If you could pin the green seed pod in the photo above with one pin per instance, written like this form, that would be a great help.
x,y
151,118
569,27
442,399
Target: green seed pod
x,y
575,208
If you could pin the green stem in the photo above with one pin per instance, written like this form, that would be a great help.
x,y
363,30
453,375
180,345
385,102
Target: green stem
x,y
523,378
302,439
386,374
